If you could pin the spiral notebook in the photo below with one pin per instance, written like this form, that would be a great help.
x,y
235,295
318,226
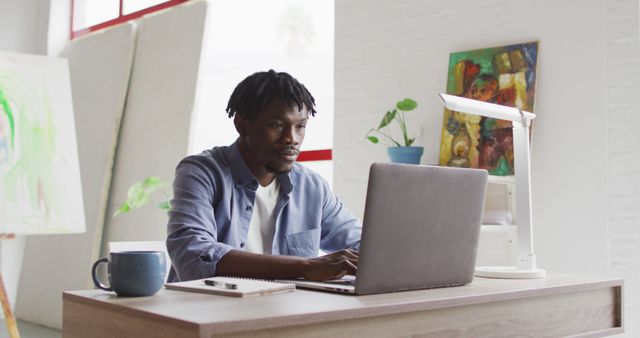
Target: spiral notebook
x,y
232,286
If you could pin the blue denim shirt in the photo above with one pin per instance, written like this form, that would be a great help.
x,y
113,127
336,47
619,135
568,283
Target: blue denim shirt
x,y
214,193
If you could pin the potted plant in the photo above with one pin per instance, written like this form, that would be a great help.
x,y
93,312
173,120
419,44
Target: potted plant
x,y
399,152
141,193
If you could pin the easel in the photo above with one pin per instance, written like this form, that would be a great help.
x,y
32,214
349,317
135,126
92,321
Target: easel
x,y
12,327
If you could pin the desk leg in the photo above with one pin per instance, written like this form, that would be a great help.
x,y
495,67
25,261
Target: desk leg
x,y
8,315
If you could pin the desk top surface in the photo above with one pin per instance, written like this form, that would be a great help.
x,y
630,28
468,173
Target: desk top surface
x,y
227,314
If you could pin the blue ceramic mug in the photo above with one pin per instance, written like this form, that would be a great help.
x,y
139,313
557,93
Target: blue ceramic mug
x,y
132,273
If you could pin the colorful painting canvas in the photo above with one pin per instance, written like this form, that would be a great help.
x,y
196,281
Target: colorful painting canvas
x,y
40,188
503,75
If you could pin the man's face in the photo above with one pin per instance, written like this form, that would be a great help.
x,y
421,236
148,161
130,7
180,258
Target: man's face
x,y
273,138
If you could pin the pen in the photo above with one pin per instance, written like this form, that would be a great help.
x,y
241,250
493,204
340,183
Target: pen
x,y
221,284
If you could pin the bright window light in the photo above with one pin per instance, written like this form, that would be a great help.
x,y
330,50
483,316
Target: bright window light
x,y
130,6
285,35
87,13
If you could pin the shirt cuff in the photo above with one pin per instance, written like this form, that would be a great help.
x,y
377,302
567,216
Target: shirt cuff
x,y
211,257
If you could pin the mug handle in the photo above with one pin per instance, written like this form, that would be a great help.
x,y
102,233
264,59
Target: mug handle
x,y
94,274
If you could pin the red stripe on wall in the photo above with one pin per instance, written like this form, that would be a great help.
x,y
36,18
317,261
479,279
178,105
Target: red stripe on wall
x,y
315,155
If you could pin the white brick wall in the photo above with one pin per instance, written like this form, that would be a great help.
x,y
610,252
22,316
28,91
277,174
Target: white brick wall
x,y
623,150
585,166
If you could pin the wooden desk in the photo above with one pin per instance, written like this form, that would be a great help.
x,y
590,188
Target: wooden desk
x,y
554,306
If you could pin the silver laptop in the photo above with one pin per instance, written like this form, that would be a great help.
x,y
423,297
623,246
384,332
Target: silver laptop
x,y
420,230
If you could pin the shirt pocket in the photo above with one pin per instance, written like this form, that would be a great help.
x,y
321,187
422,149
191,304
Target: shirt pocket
x,y
304,243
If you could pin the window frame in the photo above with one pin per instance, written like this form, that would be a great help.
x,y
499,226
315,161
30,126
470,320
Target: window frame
x,y
121,17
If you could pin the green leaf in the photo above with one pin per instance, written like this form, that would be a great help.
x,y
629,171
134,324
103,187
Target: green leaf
x,y
406,104
388,117
140,194
136,195
134,189
153,181
410,142
373,139
165,205
142,197
123,208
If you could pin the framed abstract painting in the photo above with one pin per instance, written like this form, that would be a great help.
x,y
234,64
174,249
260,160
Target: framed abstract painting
x,y
503,75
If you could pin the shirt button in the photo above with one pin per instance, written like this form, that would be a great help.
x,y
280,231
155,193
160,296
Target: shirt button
x,y
248,208
242,245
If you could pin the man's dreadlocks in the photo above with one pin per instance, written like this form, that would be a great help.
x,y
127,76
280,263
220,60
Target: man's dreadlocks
x,y
256,92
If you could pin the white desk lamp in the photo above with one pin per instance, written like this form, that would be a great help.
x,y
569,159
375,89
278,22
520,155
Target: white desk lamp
x,y
521,120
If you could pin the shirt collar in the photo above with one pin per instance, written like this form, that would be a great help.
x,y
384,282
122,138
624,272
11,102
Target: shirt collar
x,y
286,185
242,176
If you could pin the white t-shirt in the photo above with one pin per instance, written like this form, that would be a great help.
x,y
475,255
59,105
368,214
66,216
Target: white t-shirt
x,y
263,220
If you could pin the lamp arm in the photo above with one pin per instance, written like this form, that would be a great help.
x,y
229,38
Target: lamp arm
x,y
522,166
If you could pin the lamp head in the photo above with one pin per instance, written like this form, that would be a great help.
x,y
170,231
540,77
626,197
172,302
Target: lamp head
x,y
475,107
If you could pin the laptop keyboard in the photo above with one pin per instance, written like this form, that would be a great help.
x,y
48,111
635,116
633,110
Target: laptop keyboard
x,y
346,280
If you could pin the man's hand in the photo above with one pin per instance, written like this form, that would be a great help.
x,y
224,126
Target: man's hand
x,y
245,264
331,266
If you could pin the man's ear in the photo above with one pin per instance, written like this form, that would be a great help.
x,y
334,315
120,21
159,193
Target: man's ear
x,y
241,124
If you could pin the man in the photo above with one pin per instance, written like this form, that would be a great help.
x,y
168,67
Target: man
x,y
248,209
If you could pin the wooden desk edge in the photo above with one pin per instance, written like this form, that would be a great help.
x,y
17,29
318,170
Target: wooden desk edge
x,y
71,297
601,333
417,305
362,312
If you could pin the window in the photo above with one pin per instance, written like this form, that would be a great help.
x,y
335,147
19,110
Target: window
x,y
132,6
285,35
91,15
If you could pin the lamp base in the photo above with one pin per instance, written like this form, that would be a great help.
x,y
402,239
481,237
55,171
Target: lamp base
x,y
509,272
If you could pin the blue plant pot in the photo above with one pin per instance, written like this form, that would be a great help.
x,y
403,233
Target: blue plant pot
x,y
409,155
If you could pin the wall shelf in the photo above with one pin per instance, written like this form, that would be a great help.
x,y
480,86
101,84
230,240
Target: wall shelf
x,y
497,244
502,179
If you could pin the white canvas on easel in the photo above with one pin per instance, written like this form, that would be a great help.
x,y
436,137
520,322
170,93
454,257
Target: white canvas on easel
x,y
40,188
40,185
